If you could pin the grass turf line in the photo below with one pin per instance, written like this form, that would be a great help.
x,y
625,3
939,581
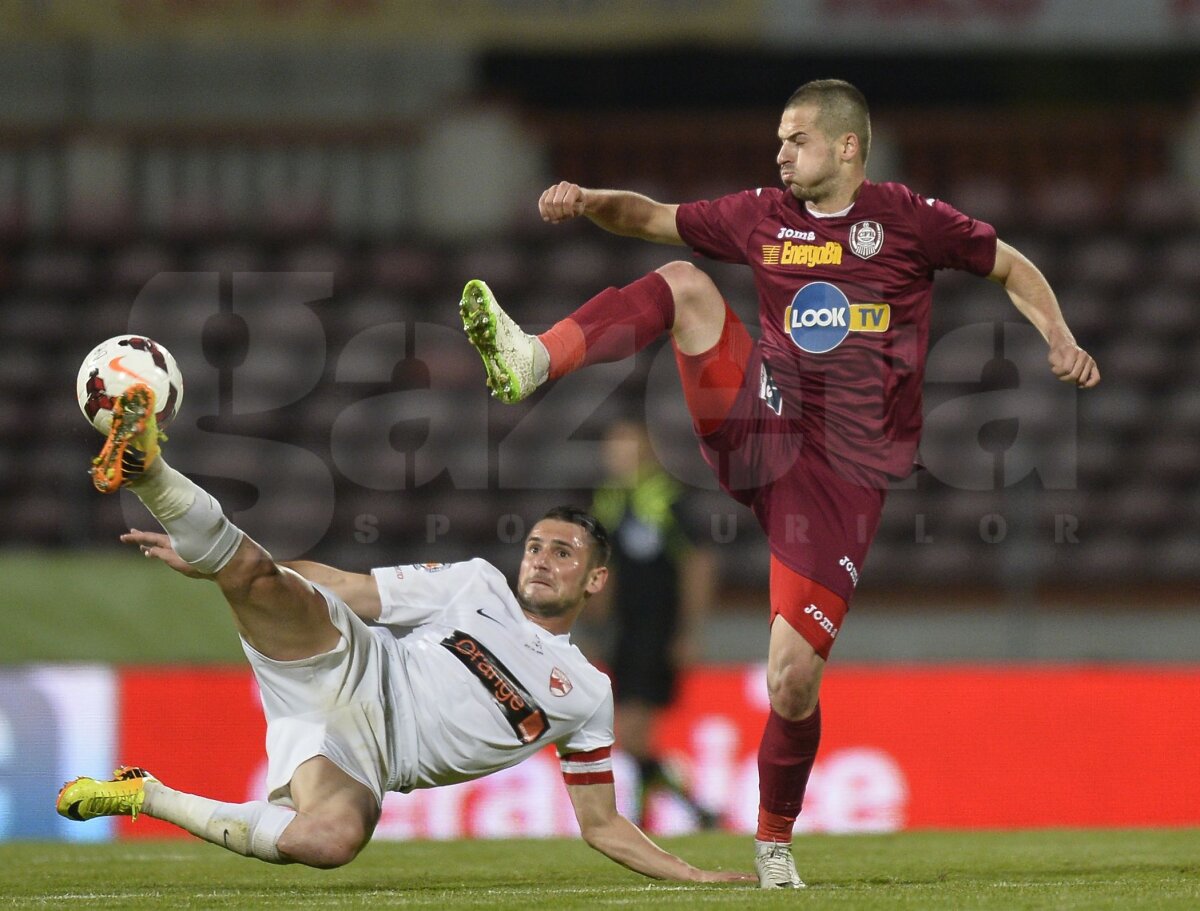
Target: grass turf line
x,y
1059,869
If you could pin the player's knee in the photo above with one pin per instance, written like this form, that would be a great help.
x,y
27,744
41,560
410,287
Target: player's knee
x,y
250,575
691,287
793,690
332,854
699,305
324,846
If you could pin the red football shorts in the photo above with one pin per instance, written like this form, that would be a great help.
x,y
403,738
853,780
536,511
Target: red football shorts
x,y
819,515
810,609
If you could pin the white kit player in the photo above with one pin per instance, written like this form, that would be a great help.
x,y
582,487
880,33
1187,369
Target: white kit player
x,y
412,677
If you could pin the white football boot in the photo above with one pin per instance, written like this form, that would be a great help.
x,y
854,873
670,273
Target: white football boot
x,y
776,869
515,365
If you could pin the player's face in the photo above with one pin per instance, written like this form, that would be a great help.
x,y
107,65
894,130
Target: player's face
x,y
556,572
807,159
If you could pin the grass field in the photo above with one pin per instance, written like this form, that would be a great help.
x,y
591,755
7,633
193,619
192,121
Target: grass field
x,y
63,606
927,871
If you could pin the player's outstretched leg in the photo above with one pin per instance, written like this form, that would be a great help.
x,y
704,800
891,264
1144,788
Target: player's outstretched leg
x,y
277,613
132,444
250,829
615,324
775,866
516,362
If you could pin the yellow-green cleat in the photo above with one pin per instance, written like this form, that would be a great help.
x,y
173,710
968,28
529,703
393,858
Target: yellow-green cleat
x,y
132,444
507,352
89,798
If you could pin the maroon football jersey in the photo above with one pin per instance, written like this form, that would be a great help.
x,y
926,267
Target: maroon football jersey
x,y
844,304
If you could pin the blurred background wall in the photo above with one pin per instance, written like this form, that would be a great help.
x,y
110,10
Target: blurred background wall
x,y
290,195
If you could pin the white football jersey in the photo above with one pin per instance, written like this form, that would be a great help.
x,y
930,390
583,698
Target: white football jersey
x,y
486,686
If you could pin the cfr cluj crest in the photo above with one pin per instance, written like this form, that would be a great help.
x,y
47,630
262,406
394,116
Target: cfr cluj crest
x,y
866,239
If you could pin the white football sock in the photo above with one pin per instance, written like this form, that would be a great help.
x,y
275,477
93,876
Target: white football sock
x,y
166,493
199,530
541,361
250,829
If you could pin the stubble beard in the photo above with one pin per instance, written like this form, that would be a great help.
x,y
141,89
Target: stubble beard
x,y
553,608
812,193
818,191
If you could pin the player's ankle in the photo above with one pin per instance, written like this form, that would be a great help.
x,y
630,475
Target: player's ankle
x,y
564,347
541,361
773,827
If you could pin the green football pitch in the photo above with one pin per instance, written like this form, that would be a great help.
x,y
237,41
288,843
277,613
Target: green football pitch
x,y
1149,869
113,607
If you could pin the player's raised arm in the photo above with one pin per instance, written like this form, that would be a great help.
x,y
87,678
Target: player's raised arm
x,y
617,211
614,836
1033,296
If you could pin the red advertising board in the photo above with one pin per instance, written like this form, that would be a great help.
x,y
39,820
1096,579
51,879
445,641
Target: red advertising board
x,y
198,729
903,747
970,746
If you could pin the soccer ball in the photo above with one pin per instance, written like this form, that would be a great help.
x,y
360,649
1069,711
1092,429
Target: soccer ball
x,y
123,361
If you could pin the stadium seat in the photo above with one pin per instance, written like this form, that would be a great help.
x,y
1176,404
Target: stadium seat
x,y
1178,261
1170,458
504,266
988,198
321,258
228,258
130,268
1165,311
575,270
1136,358
404,269
1118,409
1111,261
1101,460
1068,201
1159,204
56,269
43,517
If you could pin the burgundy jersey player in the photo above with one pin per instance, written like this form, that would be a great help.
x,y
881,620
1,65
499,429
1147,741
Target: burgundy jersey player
x,y
807,424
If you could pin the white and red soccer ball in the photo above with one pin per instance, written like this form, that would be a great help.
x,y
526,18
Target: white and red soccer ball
x,y
120,362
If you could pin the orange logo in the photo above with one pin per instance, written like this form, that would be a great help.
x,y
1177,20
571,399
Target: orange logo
x,y
115,364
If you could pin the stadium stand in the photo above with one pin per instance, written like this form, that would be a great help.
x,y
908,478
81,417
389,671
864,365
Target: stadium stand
x,y
1124,256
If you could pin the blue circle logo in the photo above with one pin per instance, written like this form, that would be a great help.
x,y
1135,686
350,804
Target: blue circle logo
x,y
818,318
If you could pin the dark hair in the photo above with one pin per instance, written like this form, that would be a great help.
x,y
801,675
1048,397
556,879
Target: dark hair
x,y
601,547
842,109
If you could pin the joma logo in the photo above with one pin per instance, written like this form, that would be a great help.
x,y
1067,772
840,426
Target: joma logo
x,y
821,620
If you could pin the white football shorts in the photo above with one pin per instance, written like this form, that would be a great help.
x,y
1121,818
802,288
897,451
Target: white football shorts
x,y
332,705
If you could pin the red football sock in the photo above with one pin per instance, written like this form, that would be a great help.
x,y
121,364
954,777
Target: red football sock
x,y
616,323
712,379
785,760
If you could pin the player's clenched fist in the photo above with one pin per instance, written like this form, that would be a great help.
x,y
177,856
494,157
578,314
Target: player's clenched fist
x,y
1072,364
562,201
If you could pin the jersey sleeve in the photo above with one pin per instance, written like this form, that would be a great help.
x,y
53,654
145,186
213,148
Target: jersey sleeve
x,y
718,228
956,241
586,756
416,593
